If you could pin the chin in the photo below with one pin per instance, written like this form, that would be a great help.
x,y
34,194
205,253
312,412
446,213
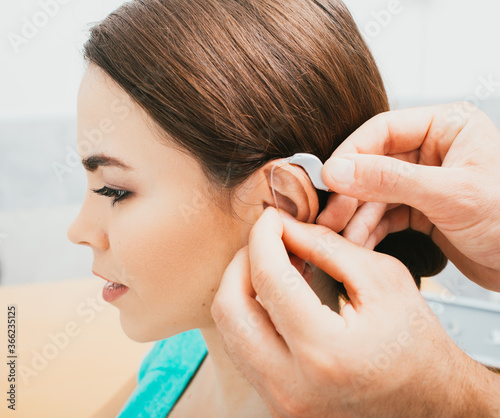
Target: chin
x,y
136,331
136,334
139,332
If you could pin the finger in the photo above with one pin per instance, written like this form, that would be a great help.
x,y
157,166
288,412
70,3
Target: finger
x,y
302,267
393,221
290,302
332,253
485,276
338,211
431,129
385,179
249,336
364,221
399,219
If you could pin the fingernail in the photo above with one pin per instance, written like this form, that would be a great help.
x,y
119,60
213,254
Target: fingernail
x,y
340,170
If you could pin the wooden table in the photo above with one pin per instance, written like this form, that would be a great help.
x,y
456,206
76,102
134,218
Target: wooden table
x,y
73,359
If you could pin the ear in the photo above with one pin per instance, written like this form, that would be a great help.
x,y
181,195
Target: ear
x,y
292,187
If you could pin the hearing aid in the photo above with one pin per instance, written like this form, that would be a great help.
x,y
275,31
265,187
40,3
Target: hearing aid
x,y
312,166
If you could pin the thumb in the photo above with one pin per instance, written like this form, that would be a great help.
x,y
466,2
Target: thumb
x,y
335,255
376,178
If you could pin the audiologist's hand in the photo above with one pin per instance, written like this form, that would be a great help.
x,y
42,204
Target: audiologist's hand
x,y
442,163
384,355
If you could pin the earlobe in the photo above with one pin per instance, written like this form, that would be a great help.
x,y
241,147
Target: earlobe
x,y
293,191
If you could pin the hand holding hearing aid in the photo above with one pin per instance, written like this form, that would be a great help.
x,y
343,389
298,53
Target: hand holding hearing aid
x,y
433,169
383,354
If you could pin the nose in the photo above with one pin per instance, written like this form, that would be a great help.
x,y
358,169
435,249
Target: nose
x,y
87,229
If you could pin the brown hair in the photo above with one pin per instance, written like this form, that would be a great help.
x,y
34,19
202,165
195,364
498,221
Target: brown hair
x,y
237,83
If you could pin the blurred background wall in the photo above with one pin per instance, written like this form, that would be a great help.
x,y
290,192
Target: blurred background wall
x,y
429,51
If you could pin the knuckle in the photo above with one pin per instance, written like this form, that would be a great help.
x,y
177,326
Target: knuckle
x,y
386,178
388,263
465,104
380,126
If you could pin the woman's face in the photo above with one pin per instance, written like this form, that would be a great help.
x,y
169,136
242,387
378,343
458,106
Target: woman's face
x,y
166,240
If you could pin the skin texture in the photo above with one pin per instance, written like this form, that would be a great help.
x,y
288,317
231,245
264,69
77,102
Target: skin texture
x,y
142,240
171,240
433,169
385,353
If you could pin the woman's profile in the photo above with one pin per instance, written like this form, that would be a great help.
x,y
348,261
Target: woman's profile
x,y
182,112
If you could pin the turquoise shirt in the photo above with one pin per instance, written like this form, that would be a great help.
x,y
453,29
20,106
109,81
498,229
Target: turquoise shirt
x,y
163,375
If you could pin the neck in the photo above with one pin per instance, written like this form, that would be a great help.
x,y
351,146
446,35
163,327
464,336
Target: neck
x,y
234,396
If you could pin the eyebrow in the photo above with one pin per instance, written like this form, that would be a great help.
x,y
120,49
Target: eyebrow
x,y
93,162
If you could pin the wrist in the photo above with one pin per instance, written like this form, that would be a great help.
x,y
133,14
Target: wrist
x,y
486,402
455,385
478,391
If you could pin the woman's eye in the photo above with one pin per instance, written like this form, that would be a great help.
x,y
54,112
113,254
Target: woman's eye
x,y
115,194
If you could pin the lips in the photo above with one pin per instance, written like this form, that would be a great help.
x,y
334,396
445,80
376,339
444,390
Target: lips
x,y
112,290
110,281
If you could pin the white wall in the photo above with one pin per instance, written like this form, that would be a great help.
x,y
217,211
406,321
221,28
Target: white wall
x,y
433,49
429,49
41,75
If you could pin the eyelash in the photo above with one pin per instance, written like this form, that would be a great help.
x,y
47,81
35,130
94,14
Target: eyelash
x,y
116,194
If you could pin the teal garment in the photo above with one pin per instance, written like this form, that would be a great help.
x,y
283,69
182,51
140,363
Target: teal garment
x,y
163,375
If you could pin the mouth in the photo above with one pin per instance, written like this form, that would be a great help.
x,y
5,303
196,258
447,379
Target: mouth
x,y
111,290
109,281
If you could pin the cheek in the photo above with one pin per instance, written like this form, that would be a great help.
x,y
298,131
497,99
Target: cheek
x,y
173,263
